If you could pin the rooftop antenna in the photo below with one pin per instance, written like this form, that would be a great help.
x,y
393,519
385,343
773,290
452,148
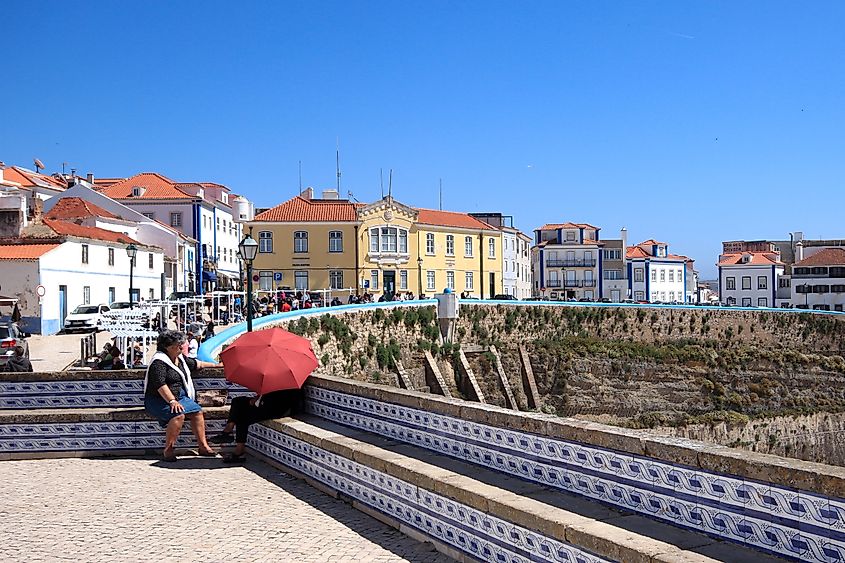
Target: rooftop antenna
x,y
63,167
381,181
351,196
441,194
338,164
390,184
39,166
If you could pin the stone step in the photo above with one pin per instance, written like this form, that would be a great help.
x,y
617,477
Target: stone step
x,y
472,513
88,432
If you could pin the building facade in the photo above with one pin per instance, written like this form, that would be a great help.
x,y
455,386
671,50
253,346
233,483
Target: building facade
x,y
340,247
566,261
657,276
516,255
818,279
749,278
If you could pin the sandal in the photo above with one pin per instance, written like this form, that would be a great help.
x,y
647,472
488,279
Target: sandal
x,y
234,458
222,438
168,458
207,453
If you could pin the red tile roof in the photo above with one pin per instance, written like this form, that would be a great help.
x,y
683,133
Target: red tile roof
x,y
826,257
555,226
757,259
451,219
301,210
29,178
24,251
77,208
67,228
156,186
651,242
103,182
634,252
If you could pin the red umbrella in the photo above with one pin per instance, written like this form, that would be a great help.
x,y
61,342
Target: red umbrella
x,y
269,360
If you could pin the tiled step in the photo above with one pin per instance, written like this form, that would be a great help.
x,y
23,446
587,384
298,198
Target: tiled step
x,y
41,433
472,513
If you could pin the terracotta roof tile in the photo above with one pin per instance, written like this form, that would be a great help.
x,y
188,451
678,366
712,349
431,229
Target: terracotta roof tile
x,y
451,219
77,208
156,186
651,242
24,251
301,210
67,228
757,259
555,226
104,182
28,178
636,252
826,257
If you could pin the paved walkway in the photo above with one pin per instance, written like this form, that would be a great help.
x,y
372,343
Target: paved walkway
x,y
196,509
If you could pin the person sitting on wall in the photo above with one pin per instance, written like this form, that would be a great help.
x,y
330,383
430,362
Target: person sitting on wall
x,y
18,362
286,306
169,394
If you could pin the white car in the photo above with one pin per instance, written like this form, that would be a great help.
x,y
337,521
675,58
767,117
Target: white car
x,y
85,317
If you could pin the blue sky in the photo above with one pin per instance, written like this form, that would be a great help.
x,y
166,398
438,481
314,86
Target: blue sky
x,y
689,122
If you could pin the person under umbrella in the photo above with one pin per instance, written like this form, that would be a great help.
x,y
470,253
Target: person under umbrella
x,y
245,411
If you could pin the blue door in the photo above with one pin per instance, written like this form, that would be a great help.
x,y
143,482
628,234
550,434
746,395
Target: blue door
x,y
62,305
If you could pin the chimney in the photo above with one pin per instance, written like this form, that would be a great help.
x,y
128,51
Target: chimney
x,y
624,236
37,211
799,249
331,194
307,193
90,178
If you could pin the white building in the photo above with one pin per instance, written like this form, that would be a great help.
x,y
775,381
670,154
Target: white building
x,y
516,263
200,210
86,206
655,275
565,261
749,279
75,265
818,278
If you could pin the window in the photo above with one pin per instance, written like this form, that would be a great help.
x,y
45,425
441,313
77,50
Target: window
x,y
335,241
762,302
638,274
450,245
149,215
403,241
680,275
783,282
730,283
218,223
469,281
300,241
373,279
671,295
654,296
450,279
653,276
403,279
151,261
374,240
217,255
746,302
570,235
613,275
662,275
837,288
613,254
762,282
265,280
672,276
429,280
151,295
429,243
388,239
300,280
176,219
111,258
85,255
336,279
663,296
265,241
491,248
746,282
639,295
468,247
86,294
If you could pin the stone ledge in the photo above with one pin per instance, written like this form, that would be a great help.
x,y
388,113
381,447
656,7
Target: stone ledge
x,y
457,481
819,478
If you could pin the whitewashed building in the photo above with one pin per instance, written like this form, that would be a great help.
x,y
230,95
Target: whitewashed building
x,y
86,206
75,265
201,210
657,276
566,261
749,279
818,279
516,254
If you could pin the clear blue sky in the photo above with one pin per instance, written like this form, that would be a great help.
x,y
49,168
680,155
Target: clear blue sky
x,y
689,122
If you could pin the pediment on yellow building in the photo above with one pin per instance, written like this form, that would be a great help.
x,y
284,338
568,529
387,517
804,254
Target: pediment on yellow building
x,y
387,210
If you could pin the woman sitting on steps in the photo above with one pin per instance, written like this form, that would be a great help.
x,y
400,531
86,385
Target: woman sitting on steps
x,y
169,394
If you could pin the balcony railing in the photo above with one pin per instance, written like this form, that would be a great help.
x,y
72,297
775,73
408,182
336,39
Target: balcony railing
x,y
570,283
570,263
553,283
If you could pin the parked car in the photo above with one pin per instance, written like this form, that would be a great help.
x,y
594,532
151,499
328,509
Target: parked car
x,y
10,337
605,300
86,317
117,305
181,295
504,297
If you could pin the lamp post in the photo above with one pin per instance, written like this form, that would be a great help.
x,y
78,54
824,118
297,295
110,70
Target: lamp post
x,y
806,296
419,277
248,248
131,251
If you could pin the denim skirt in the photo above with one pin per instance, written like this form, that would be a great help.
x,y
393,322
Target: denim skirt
x,y
159,409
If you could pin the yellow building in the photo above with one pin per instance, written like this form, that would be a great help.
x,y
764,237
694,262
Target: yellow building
x,y
382,247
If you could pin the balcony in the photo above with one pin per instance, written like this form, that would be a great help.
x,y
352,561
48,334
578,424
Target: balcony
x,y
553,283
571,263
579,283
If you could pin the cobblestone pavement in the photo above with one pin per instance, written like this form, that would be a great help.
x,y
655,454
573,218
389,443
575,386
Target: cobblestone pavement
x,y
196,509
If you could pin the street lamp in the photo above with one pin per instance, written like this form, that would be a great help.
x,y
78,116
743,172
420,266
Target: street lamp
x,y
419,277
248,249
131,251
